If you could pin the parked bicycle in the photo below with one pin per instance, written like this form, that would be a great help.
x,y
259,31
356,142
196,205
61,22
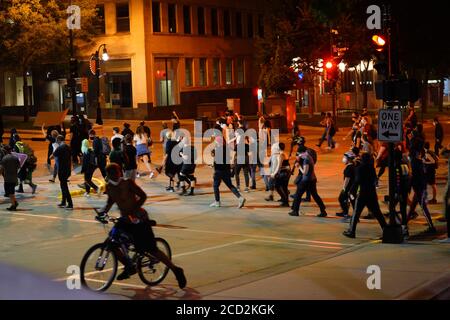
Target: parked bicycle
x,y
99,265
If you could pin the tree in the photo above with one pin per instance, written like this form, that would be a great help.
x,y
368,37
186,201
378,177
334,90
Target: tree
x,y
34,32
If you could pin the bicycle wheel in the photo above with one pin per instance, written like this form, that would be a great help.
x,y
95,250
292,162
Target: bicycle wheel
x,y
98,268
150,269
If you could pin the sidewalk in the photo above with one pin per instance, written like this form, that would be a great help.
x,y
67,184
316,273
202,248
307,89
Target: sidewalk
x,y
344,276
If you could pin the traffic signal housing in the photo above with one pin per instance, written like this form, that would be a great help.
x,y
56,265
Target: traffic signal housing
x,y
73,68
380,43
331,70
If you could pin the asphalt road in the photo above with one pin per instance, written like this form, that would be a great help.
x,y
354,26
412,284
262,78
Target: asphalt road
x,y
219,248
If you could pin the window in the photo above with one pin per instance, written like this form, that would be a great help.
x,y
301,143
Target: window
x,y
156,17
240,70
214,23
172,12
100,21
123,17
238,25
202,72
216,71
226,23
201,20
260,26
187,19
188,72
229,71
166,81
250,25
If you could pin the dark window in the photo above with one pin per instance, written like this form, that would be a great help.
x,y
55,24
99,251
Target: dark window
x,y
260,26
250,25
123,17
100,21
214,23
202,72
156,17
172,12
216,71
238,24
229,71
240,70
201,20
187,19
226,23
188,72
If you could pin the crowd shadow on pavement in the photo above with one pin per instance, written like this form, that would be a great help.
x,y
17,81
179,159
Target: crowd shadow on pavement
x,y
164,292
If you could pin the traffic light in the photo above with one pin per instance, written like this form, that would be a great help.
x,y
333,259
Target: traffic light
x,y
379,41
73,68
331,70
380,64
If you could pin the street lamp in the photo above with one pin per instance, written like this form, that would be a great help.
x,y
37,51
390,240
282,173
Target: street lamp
x,y
96,58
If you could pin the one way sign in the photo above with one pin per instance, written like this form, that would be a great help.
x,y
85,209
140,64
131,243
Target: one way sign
x,y
390,125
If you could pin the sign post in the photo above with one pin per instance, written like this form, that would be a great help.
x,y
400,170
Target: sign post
x,y
390,129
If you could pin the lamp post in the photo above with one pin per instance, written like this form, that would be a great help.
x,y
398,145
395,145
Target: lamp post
x,y
96,57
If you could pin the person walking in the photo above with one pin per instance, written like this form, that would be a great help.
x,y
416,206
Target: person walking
x,y
365,181
186,175
438,135
431,163
349,180
9,167
26,171
75,139
142,150
88,167
64,155
130,166
242,160
419,186
126,130
117,155
222,173
281,174
446,153
402,185
171,168
116,134
100,155
306,180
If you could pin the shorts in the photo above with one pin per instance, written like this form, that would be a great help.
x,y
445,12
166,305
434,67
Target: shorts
x,y
187,169
142,150
10,189
142,234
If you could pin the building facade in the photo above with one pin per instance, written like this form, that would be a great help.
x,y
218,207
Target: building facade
x,y
163,56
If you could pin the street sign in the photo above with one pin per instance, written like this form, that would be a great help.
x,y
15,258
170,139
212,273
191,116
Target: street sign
x,y
84,85
390,125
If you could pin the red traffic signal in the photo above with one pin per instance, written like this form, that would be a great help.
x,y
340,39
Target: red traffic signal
x,y
380,41
329,65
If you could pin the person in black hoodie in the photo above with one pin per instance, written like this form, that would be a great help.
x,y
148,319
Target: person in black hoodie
x,y
365,181
64,156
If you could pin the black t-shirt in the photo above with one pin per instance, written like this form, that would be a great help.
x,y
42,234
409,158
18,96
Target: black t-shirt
x,y
63,154
366,178
349,172
130,152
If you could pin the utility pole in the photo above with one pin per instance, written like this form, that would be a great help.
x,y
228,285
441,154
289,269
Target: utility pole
x,y
73,73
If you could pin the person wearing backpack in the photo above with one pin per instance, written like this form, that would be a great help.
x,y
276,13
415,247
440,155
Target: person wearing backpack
x,y
117,155
99,151
431,162
88,167
26,172
331,131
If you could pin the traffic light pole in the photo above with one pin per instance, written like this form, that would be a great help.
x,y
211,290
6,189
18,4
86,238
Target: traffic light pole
x,y
72,82
99,119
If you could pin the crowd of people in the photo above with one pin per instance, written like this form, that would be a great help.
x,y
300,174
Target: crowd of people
x,y
235,153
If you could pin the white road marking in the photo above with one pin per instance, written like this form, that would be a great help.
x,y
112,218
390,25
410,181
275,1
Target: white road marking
x,y
200,231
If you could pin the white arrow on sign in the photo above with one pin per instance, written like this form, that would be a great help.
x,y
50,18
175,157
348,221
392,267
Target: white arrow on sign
x,y
390,125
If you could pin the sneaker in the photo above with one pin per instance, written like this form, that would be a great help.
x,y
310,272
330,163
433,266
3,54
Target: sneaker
x,y
405,232
87,195
171,189
20,190
246,190
444,240
284,205
215,204
293,214
138,175
349,234
322,215
269,198
430,230
61,205
241,202
152,175
13,207
341,214
127,273
181,278
33,188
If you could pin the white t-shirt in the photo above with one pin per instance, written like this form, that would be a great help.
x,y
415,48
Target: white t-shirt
x,y
117,135
140,139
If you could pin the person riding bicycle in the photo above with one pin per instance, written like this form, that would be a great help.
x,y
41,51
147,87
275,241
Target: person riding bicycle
x,y
133,220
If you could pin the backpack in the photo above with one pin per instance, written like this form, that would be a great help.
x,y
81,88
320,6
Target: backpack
x,y
106,148
313,154
435,157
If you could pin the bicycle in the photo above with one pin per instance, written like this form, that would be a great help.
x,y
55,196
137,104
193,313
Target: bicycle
x,y
103,260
